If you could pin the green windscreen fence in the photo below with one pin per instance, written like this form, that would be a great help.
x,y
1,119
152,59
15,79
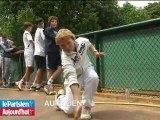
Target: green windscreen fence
x,y
133,60
132,56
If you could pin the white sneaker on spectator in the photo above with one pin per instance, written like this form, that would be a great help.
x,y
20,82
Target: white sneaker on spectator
x,y
49,90
27,87
17,83
20,85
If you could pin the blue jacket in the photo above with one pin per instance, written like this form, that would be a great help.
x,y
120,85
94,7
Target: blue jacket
x,y
50,44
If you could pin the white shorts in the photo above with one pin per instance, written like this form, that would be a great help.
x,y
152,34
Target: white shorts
x,y
29,58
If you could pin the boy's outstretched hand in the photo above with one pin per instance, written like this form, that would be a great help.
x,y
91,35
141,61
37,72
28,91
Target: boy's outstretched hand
x,y
98,54
77,112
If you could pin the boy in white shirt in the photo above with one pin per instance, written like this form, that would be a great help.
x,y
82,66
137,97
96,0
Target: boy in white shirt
x,y
39,54
28,55
77,70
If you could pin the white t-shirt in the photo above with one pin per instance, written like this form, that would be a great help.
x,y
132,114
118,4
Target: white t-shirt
x,y
79,59
39,42
26,40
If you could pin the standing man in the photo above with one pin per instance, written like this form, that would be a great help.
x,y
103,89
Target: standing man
x,y
53,58
8,69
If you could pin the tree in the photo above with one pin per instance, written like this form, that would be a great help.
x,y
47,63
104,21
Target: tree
x,y
22,16
79,16
12,24
7,25
131,14
107,13
86,22
153,9
5,20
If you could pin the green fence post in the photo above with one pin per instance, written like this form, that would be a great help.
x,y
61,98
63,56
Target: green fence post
x,y
98,62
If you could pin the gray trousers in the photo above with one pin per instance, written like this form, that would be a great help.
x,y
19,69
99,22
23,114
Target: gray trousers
x,y
8,70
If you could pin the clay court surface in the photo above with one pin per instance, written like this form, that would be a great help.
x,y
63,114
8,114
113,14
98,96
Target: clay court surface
x,y
100,112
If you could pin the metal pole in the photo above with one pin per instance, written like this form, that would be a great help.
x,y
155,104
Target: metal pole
x,y
98,63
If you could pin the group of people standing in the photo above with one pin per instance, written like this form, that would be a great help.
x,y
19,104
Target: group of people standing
x,y
44,51
60,51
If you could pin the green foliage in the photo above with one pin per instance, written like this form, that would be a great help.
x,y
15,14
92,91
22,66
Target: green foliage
x,y
107,13
12,25
7,25
5,21
23,15
130,14
84,21
78,16
153,9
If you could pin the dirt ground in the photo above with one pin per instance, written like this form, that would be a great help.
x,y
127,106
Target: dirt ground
x,y
100,112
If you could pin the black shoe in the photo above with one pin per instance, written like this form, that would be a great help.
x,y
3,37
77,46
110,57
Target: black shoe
x,y
13,84
32,88
4,84
38,89
8,86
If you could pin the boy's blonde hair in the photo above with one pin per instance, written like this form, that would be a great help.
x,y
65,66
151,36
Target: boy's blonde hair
x,y
64,34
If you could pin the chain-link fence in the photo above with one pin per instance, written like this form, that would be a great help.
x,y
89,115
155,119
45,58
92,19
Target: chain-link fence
x,y
132,57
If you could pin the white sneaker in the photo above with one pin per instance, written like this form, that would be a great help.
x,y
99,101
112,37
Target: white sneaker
x,y
86,113
27,87
49,90
17,83
20,85
60,92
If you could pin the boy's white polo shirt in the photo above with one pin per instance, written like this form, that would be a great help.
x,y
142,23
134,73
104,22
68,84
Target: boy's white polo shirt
x,y
39,42
26,40
79,59
29,49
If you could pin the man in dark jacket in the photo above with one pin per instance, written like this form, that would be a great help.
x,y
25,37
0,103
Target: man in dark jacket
x,y
53,57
